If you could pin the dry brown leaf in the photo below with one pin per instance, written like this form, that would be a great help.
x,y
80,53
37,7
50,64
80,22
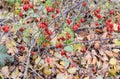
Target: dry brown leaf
x,y
5,71
108,53
94,60
90,36
97,45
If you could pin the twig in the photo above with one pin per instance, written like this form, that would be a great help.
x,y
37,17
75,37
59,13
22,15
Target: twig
x,y
29,53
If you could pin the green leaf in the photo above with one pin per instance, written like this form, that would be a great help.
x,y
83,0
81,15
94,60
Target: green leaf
x,y
20,1
41,39
48,3
10,1
3,49
67,29
5,58
68,48
16,27
66,62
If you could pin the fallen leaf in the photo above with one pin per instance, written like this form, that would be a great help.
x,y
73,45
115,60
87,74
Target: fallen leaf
x,y
5,71
113,61
72,70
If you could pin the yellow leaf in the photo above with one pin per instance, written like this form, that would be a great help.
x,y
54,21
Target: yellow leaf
x,y
113,61
47,71
86,77
76,77
112,72
72,70
77,47
62,63
117,42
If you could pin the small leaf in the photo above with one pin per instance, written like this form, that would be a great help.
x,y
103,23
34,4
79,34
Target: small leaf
x,y
47,71
68,48
117,42
72,70
48,3
5,58
113,61
3,49
66,61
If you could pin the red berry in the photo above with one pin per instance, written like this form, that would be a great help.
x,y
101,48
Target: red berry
x,y
119,23
96,24
33,53
21,14
82,20
22,47
84,3
36,20
58,39
57,10
44,45
83,50
49,32
78,24
45,23
5,29
75,27
31,5
26,7
48,60
63,38
112,12
53,16
21,29
68,20
97,10
42,25
118,27
63,52
99,16
49,9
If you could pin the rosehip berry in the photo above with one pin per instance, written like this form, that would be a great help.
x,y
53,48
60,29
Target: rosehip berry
x,y
63,52
63,38
44,45
26,7
22,47
99,16
82,20
84,4
75,27
5,29
57,10
49,32
42,25
21,29
36,20
58,39
78,24
49,9
112,12
83,50
48,60
118,27
21,14
53,16
45,23
96,24
31,5
68,20
33,53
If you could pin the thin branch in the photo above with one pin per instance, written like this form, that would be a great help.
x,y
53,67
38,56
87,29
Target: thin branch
x,y
29,53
